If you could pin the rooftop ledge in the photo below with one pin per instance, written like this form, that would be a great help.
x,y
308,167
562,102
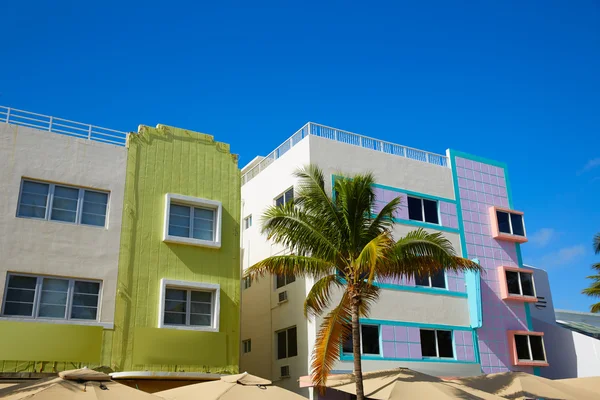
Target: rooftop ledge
x,y
258,164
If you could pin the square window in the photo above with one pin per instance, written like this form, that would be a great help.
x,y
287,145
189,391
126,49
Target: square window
x,y
512,282
503,222
285,197
190,220
522,345
282,280
287,343
437,281
517,284
437,343
507,225
51,297
415,209
189,305
430,207
527,348
68,204
516,223
423,210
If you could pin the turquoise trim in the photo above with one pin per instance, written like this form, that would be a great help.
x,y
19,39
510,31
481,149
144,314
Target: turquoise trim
x,y
463,241
422,224
367,321
420,289
477,158
473,281
381,358
416,194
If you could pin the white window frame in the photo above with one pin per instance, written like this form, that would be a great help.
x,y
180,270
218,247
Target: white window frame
x,y
50,201
437,204
545,360
510,223
186,285
361,341
248,222
282,194
430,286
189,201
37,299
246,346
520,284
437,345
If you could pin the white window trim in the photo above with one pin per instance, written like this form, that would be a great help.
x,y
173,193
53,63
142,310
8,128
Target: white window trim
x,y
50,201
246,220
186,285
520,284
437,204
380,338
530,359
69,304
510,224
437,346
282,194
193,202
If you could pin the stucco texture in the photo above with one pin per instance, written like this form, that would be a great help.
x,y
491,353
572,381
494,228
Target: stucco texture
x,y
170,160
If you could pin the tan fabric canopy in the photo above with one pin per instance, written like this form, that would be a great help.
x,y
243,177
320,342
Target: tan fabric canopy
x,y
403,383
75,385
521,385
232,387
591,383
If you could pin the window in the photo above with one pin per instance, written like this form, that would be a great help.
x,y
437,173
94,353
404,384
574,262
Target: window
x,y
51,297
527,348
517,284
369,339
192,221
62,203
423,210
436,281
507,224
287,345
285,198
246,282
189,305
248,222
436,343
247,346
282,280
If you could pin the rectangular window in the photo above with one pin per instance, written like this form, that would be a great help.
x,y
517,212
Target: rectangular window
x,y
510,223
248,222
247,346
51,297
530,348
437,343
188,307
437,281
520,283
192,222
369,339
246,282
62,203
287,343
282,280
423,210
285,197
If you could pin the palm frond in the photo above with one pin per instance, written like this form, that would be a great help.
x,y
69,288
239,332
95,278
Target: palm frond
x,y
319,297
290,265
375,252
384,221
369,296
595,308
334,329
597,243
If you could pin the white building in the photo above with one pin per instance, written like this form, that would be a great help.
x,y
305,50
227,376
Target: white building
x,y
434,326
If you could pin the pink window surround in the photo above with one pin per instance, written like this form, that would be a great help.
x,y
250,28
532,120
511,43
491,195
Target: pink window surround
x,y
512,347
504,294
496,234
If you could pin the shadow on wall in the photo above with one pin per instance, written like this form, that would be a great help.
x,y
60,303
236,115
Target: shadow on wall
x,y
560,351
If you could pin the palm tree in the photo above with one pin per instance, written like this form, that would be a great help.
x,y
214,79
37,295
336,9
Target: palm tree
x,y
594,289
338,242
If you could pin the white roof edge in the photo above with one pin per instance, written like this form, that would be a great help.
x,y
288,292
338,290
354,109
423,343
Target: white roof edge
x,y
158,375
577,313
252,163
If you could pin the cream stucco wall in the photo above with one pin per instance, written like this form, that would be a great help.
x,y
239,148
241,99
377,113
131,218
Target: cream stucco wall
x,y
53,248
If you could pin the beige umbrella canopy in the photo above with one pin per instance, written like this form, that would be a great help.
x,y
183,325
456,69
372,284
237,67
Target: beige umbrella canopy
x,y
591,383
232,387
521,385
404,383
78,384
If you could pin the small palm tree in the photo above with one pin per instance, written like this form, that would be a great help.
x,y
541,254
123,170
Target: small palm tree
x,y
338,242
594,289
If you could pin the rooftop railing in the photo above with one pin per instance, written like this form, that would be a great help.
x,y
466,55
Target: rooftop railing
x,y
62,126
345,137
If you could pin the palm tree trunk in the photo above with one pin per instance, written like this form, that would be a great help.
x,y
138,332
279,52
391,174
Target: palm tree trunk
x,y
360,393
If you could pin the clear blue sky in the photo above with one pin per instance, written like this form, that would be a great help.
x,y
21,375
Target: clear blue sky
x,y
513,81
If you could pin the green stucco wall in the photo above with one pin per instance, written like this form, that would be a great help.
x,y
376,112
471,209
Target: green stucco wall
x,y
170,160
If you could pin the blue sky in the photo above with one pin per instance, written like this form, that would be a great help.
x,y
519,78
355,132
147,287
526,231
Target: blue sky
x,y
504,80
